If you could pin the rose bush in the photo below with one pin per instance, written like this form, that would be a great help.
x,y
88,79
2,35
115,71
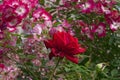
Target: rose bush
x,y
32,32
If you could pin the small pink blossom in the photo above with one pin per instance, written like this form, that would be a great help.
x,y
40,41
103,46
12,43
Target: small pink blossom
x,y
27,27
98,7
36,13
11,29
88,32
36,62
66,24
13,41
1,35
5,16
42,13
11,2
3,26
59,28
67,4
88,6
14,21
114,15
114,26
52,31
105,10
48,23
21,10
37,29
100,29
50,63
10,73
46,16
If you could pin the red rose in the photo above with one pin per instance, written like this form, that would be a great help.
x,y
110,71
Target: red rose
x,y
64,45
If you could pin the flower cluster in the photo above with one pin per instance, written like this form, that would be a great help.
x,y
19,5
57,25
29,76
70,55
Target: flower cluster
x,y
20,17
15,13
105,10
9,73
12,12
101,16
28,27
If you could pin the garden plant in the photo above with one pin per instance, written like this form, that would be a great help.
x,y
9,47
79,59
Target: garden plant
x,y
60,40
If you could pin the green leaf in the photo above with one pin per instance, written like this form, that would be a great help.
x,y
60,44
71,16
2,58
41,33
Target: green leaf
x,y
84,61
104,79
57,2
31,56
67,69
114,72
56,24
20,51
42,2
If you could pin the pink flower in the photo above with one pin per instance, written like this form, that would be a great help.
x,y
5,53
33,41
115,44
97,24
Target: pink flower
x,y
5,16
36,13
42,13
114,26
9,19
48,23
114,15
33,3
11,2
11,71
26,26
1,35
63,45
100,29
3,26
13,22
50,63
66,24
98,7
21,10
109,3
36,62
88,32
105,10
88,6
37,29
13,41
52,31
67,4
46,16
113,19
11,29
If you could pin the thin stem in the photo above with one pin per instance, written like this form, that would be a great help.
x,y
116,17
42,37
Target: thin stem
x,y
54,70
35,77
94,75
